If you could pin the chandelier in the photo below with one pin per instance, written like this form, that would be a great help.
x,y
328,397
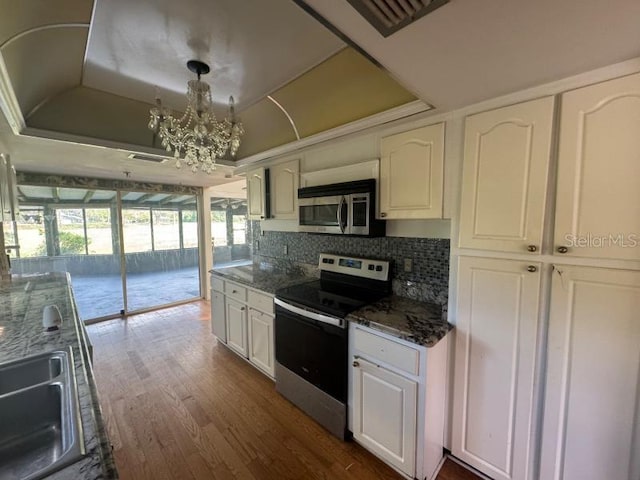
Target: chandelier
x,y
197,138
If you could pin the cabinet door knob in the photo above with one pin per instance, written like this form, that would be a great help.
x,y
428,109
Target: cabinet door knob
x,y
532,248
356,363
562,249
532,268
234,291
242,309
383,214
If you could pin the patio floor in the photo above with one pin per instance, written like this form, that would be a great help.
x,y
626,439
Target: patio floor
x,y
101,295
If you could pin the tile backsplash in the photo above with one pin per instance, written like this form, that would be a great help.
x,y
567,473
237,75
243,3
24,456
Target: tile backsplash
x,y
427,281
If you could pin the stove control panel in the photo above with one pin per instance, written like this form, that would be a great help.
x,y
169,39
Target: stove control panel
x,y
358,267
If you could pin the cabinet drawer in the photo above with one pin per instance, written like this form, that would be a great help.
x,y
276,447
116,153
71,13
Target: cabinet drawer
x,y
387,351
261,301
217,284
233,290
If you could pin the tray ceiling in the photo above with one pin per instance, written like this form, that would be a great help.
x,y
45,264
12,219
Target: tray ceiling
x,y
69,72
100,65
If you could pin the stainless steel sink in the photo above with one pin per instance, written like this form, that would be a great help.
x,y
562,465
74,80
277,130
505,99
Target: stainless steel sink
x,y
41,429
30,371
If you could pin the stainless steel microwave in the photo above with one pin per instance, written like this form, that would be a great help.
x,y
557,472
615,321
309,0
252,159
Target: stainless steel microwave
x,y
340,208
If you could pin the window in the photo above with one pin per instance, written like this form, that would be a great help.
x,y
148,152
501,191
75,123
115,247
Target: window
x,y
189,229
219,227
136,223
99,233
239,229
166,230
30,232
71,232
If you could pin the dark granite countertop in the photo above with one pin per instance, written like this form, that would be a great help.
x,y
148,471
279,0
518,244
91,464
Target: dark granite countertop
x,y
264,277
411,320
22,301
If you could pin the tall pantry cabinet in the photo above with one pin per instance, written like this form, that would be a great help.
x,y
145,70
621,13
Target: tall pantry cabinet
x,y
504,188
589,390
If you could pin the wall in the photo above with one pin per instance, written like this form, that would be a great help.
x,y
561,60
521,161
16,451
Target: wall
x,y
428,280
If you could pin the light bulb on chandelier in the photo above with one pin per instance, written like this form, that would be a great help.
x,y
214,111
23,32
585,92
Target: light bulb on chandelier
x,y
197,138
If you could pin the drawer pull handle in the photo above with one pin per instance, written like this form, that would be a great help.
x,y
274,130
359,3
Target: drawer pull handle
x,y
242,309
532,248
383,214
532,268
234,291
562,249
356,363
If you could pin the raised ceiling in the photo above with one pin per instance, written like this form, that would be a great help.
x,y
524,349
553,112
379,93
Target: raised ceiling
x,y
89,72
463,52
252,46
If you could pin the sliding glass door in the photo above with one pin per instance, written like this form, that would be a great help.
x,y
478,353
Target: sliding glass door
x,y
160,235
76,231
125,251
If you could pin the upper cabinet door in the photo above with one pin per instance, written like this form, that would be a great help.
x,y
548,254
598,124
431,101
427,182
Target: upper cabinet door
x,y
591,425
411,174
255,194
598,198
504,184
285,179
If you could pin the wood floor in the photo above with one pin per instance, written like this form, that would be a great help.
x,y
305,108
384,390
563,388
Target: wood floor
x,y
179,406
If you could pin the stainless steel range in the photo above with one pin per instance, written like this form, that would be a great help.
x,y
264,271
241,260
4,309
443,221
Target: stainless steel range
x,y
311,334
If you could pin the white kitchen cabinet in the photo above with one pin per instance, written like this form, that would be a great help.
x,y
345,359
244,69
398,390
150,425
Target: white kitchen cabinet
x,y
412,174
496,353
285,179
261,341
236,318
243,318
256,194
505,176
598,197
397,399
591,427
218,316
218,309
385,413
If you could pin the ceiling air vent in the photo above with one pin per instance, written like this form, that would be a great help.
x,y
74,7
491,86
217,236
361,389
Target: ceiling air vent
x,y
389,16
147,158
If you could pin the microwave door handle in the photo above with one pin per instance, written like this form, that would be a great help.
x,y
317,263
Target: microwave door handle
x,y
339,214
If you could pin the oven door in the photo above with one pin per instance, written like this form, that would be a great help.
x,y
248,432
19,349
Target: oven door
x,y
312,348
323,214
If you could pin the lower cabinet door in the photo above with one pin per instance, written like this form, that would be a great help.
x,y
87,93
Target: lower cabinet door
x,y
237,326
385,414
496,353
218,314
591,425
261,346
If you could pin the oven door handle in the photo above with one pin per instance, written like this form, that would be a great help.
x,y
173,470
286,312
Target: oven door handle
x,y
338,322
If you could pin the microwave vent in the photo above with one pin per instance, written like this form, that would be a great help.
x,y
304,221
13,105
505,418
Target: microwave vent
x,y
389,16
